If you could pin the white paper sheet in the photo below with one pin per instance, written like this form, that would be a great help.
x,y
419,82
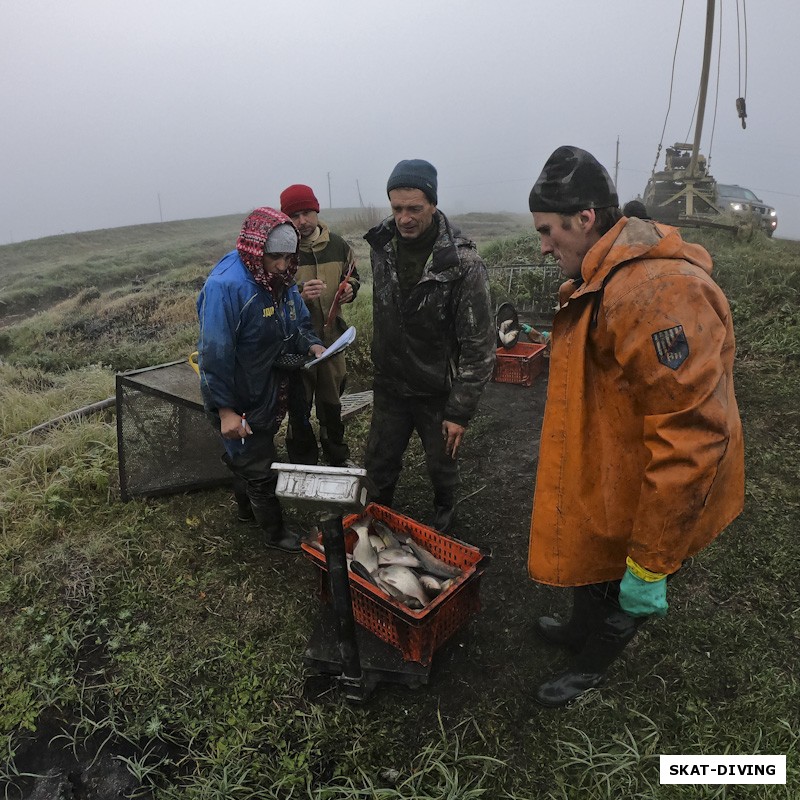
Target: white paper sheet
x,y
346,339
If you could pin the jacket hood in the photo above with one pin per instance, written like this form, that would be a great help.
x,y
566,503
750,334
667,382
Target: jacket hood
x,y
633,238
252,242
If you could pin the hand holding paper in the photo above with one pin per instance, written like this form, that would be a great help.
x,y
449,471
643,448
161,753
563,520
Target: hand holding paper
x,y
346,339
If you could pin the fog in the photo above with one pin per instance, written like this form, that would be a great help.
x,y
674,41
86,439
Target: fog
x,y
121,113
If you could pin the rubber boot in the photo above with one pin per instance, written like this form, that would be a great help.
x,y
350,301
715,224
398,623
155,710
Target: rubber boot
x,y
586,607
444,518
245,511
270,520
331,435
444,510
384,498
301,443
604,644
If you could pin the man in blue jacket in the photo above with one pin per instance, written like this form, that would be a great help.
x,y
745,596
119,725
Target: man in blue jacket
x,y
250,313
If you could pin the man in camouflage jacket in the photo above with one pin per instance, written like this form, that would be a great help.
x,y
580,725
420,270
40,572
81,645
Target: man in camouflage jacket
x,y
433,344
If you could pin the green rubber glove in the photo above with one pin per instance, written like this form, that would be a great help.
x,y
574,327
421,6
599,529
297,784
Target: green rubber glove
x,y
643,593
526,329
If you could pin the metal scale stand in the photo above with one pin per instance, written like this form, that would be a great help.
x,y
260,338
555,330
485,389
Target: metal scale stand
x,y
339,647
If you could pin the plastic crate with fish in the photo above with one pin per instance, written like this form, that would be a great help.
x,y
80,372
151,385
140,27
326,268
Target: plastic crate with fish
x,y
416,632
520,365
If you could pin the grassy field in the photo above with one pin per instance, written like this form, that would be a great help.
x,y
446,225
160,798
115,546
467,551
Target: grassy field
x,y
158,631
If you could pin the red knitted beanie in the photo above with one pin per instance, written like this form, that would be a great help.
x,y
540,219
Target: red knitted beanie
x,y
298,197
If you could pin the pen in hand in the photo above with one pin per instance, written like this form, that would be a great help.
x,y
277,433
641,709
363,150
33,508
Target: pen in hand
x,y
243,426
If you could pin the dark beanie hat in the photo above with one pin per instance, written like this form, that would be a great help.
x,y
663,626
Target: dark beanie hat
x,y
414,174
572,180
298,197
635,208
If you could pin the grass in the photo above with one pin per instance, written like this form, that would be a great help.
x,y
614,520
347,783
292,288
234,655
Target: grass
x,y
158,627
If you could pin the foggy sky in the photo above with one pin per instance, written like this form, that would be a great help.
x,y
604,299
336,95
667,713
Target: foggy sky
x,y
119,113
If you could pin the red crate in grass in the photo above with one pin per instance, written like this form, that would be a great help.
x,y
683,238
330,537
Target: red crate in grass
x,y
520,365
416,633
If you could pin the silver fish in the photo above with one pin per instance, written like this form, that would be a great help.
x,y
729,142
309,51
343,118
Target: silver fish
x,y
431,585
382,530
405,580
363,552
357,568
377,543
430,563
399,556
396,594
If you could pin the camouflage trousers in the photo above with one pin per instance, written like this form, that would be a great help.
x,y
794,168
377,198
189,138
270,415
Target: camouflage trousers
x,y
394,419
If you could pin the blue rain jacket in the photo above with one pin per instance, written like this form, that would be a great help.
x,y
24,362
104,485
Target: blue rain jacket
x,y
242,331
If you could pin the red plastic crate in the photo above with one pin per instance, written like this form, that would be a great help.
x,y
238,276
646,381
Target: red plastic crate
x,y
416,633
520,365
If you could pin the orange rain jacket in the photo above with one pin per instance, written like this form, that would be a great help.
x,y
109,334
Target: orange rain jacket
x,y
641,451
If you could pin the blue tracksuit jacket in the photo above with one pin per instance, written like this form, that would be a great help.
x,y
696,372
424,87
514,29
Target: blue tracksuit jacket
x,y
242,331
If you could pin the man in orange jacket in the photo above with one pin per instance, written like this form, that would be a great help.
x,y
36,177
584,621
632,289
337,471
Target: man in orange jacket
x,y
641,463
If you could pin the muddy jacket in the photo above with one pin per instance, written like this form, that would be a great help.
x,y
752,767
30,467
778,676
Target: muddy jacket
x,y
641,451
439,339
242,332
327,258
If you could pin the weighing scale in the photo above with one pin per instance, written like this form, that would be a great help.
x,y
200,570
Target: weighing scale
x,y
338,647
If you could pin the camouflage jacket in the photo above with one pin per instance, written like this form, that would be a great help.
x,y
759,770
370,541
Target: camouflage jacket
x,y
439,339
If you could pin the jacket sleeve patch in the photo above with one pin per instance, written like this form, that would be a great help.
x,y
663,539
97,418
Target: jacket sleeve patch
x,y
671,346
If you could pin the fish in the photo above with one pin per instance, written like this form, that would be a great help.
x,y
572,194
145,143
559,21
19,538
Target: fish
x,y
405,580
384,532
431,584
377,543
507,334
363,551
399,556
429,562
396,594
357,568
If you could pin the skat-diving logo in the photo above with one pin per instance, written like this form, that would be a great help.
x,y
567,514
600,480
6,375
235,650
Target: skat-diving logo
x,y
671,346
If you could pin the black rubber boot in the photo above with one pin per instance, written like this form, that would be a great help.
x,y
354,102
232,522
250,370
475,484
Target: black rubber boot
x,y
301,443
444,518
277,535
444,510
245,511
331,434
605,643
587,606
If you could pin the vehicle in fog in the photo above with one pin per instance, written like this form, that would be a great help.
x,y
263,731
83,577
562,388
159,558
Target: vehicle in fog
x,y
744,203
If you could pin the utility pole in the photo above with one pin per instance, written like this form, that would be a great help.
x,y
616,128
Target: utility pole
x,y
160,214
360,201
616,165
330,204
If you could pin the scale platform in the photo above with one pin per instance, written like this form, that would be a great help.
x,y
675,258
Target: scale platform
x,y
380,662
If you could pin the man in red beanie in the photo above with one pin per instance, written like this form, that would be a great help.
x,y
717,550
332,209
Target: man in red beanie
x,y
326,261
